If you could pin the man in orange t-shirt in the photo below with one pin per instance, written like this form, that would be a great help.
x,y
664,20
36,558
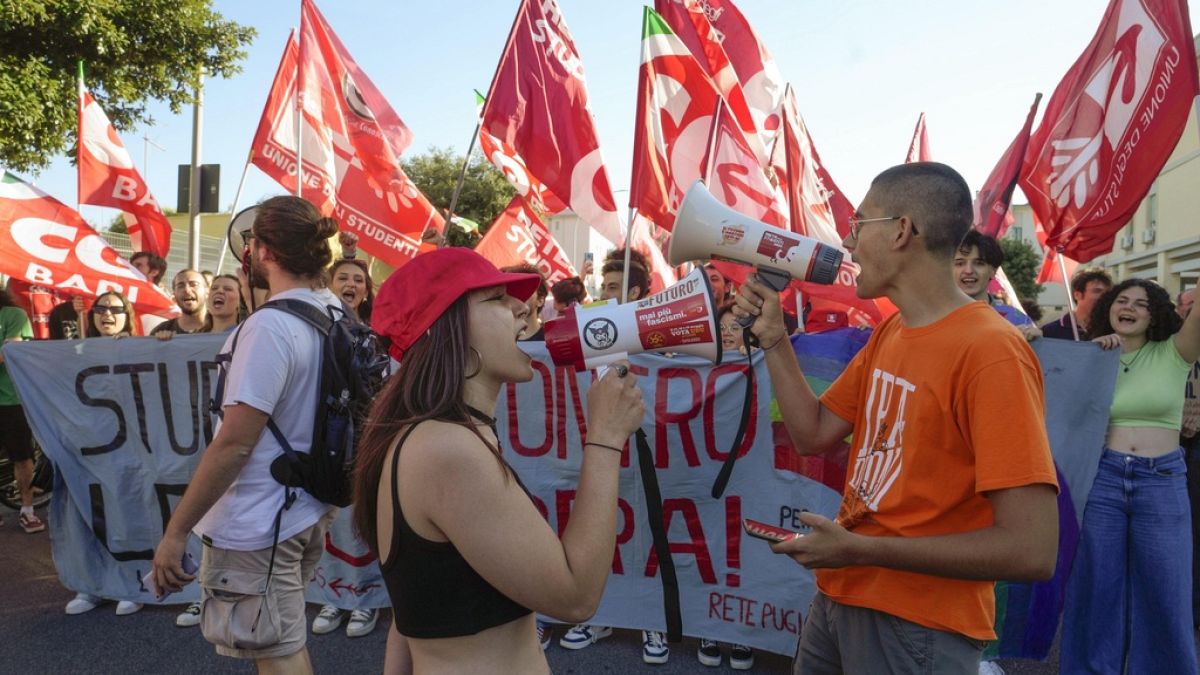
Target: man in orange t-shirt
x,y
951,484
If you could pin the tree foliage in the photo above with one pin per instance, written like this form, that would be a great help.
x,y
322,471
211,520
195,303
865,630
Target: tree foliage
x,y
484,194
134,52
1022,263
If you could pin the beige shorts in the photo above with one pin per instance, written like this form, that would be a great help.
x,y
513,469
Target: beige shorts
x,y
243,615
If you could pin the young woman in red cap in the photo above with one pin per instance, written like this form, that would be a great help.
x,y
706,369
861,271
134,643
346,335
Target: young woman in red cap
x,y
466,556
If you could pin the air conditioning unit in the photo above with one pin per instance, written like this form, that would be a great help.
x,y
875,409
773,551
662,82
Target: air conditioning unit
x,y
1148,235
1127,241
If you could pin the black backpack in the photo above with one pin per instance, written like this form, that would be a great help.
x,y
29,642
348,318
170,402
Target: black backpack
x,y
353,366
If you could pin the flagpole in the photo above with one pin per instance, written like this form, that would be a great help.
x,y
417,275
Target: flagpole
x,y
628,256
237,200
79,141
712,141
1062,266
299,110
462,173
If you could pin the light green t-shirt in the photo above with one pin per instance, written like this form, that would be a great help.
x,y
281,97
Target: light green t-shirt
x,y
1149,391
13,323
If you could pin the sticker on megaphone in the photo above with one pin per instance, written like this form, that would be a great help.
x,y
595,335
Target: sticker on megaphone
x,y
681,319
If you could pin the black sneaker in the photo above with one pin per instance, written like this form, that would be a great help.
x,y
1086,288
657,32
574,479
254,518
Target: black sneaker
x,y
741,657
709,653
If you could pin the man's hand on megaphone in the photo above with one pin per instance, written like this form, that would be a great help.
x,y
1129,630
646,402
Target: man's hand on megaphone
x,y
615,407
756,299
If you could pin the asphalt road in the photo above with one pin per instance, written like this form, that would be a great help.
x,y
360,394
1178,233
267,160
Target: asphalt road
x,y
38,637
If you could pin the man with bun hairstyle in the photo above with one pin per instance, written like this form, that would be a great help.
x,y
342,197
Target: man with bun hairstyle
x,y
252,589
950,484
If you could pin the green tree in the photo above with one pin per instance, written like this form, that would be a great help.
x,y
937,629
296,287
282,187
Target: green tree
x,y
133,51
1022,263
484,194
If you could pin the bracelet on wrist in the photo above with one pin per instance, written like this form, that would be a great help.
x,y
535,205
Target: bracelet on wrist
x,y
601,445
775,343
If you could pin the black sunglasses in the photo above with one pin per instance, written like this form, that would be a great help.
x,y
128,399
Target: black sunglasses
x,y
105,309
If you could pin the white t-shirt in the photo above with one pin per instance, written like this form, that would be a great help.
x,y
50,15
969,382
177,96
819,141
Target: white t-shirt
x,y
276,369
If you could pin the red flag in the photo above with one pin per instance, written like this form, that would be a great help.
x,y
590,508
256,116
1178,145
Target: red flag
x,y
505,158
108,178
676,100
537,105
918,149
1111,125
662,275
756,70
690,23
994,198
518,236
338,93
815,208
1051,272
736,179
388,223
46,243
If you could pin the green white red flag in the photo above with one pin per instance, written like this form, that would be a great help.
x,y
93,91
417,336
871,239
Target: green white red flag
x,y
47,243
537,106
107,177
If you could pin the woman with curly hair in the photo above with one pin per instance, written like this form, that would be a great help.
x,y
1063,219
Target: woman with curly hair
x,y
1128,600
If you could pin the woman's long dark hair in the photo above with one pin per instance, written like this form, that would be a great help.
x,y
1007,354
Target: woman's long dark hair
x,y
1164,322
364,309
428,386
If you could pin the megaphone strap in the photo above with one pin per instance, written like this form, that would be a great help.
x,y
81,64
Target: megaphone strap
x,y
666,564
722,481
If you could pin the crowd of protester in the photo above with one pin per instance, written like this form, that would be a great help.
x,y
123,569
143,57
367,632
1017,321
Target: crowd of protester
x,y
1132,601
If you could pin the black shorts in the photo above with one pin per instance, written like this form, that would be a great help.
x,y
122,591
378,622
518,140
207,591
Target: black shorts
x,y
16,440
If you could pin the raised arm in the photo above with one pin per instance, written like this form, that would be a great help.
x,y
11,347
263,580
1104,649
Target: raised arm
x,y
812,427
1187,340
449,480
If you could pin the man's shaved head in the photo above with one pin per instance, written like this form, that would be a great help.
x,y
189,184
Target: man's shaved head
x,y
934,196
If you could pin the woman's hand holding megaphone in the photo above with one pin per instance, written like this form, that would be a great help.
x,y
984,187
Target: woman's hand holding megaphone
x,y
758,302
615,407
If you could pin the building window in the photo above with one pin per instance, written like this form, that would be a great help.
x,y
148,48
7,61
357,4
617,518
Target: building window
x,y
1015,232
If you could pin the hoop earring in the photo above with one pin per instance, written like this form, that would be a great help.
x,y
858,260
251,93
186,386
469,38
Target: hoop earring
x,y
480,366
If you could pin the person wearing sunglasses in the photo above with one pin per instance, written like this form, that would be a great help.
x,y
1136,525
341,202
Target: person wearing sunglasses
x,y
950,484
110,316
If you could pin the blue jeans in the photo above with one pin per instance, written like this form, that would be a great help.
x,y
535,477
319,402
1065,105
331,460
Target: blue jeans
x,y
1129,595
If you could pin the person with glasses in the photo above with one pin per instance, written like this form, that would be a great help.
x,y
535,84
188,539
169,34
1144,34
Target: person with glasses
x,y
111,315
950,484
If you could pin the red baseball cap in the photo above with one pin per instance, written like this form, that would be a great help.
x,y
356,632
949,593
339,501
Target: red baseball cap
x,y
413,298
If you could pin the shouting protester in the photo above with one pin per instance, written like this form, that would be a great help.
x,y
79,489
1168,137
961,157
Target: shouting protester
x,y
191,294
951,485
975,264
464,581
1129,598
258,555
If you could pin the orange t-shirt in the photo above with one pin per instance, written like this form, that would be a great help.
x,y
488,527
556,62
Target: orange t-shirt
x,y
942,414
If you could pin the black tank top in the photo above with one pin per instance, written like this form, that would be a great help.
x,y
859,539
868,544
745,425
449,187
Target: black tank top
x,y
435,593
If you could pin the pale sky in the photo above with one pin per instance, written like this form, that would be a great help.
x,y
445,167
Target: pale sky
x,y
863,71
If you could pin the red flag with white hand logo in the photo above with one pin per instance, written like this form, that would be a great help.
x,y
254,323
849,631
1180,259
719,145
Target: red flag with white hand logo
x,y
47,243
1111,125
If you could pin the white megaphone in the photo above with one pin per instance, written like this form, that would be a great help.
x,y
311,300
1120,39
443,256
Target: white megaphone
x,y
682,319
704,228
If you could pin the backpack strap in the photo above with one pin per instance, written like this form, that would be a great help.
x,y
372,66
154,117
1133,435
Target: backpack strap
x,y
224,359
322,321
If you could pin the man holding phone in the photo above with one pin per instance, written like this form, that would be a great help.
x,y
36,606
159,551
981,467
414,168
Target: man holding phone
x,y
951,485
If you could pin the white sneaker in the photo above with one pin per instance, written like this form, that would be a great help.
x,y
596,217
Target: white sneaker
x,y
583,635
654,647
741,657
709,653
189,617
990,668
362,622
82,602
328,620
127,607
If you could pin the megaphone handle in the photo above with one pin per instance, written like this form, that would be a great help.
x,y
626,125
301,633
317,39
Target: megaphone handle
x,y
776,280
